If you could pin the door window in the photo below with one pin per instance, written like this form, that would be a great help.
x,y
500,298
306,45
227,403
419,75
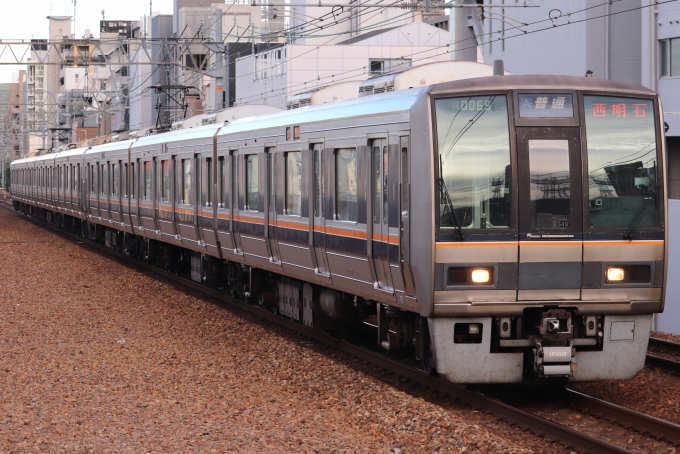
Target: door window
x,y
549,182
186,181
252,186
222,182
165,189
318,183
147,180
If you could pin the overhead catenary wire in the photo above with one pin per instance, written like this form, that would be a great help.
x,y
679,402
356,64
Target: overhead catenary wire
x,y
446,46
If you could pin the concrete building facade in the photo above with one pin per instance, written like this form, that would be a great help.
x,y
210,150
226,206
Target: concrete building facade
x,y
270,77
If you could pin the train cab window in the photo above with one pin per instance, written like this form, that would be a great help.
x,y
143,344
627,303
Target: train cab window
x,y
222,182
147,180
622,162
473,162
186,181
252,183
208,182
346,208
165,178
294,183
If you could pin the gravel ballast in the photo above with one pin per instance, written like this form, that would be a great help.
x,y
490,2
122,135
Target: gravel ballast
x,y
96,355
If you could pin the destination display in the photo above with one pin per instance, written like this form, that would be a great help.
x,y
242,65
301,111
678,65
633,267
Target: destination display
x,y
635,108
546,105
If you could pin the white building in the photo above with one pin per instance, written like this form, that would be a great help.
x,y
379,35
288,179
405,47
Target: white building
x,y
272,76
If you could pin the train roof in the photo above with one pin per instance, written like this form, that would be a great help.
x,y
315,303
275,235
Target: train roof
x,y
539,82
71,152
111,146
395,101
198,132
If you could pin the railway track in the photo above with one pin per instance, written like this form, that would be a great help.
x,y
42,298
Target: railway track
x,y
542,426
668,348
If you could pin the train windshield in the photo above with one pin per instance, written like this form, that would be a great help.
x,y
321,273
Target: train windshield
x,y
474,162
622,162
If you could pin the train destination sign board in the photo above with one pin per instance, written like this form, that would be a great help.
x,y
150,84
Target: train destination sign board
x,y
546,105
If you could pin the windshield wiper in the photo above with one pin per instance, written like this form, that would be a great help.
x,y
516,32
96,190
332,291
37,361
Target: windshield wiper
x,y
448,205
628,234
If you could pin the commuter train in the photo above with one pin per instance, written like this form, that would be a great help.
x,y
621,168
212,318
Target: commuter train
x,y
501,229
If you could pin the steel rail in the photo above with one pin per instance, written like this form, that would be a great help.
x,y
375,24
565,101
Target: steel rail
x,y
664,346
543,427
641,422
667,365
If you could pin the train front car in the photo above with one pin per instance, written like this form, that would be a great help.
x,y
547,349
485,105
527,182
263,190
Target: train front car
x,y
549,257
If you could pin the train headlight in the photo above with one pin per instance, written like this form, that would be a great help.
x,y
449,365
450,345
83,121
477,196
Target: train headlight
x,y
615,274
481,276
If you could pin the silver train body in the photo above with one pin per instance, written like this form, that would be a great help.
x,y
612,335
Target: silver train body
x,y
503,229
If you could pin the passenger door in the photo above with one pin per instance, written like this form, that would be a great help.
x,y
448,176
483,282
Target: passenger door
x,y
550,213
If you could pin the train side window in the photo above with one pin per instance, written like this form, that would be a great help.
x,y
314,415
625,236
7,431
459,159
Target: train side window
x,y
208,182
296,133
346,208
165,189
294,183
93,179
223,182
147,180
75,186
186,182
252,183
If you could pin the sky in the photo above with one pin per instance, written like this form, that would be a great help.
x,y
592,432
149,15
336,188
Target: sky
x,y
27,19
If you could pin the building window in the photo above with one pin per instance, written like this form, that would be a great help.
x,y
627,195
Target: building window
x,y
346,208
270,64
669,50
294,183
